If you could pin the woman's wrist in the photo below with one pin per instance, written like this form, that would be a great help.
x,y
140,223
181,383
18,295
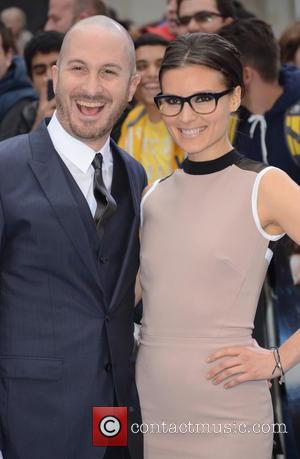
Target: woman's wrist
x,y
278,370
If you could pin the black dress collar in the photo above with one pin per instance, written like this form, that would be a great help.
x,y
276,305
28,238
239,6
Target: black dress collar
x,y
214,165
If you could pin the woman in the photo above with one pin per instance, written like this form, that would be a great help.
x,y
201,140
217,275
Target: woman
x,y
205,248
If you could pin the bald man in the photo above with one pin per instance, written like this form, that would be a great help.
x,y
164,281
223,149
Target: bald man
x,y
62,14
69,220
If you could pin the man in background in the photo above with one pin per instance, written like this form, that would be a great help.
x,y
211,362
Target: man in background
x,y
40,55
204,15
16,90
143,133
62,14
267,126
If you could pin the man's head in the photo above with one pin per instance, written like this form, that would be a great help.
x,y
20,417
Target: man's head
x,y
87,8
258,46
40,54
171,16
61,15
204,15
149,52
15,19
94,79
290,45
6,49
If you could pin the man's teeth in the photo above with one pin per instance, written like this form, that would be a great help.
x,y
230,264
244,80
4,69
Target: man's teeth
x,y
90,104
192,132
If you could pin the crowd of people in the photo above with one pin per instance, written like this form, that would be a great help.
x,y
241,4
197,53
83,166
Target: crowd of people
x,y
105,107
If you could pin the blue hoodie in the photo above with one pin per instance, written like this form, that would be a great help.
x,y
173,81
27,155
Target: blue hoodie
x,y
264,137
14,86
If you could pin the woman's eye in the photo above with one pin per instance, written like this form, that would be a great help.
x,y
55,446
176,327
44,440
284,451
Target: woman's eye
x,y
173,101
203,98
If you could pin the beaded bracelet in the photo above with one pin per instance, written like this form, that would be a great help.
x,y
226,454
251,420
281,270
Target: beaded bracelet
x,y
278,364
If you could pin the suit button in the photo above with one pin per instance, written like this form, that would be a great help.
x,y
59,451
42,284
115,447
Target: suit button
x,y
103,260
107,318
108,367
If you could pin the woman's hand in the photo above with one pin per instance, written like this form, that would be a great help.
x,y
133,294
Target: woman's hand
x,y
240,364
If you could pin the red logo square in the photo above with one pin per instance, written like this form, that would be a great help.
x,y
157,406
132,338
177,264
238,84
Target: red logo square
x,y
110,426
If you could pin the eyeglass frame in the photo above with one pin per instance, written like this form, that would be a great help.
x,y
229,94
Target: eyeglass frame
x,y
198,13
216,96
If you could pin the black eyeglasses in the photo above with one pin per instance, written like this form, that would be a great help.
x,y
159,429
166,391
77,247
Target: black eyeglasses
x,y
200,16
202,103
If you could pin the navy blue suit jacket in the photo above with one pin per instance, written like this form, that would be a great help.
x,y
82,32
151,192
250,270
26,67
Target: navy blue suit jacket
x,y
63,347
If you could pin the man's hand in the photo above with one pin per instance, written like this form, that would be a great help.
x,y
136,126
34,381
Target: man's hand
x,y
46,107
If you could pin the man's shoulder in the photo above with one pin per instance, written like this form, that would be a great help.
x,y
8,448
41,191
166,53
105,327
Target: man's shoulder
x,y
134,166
14,146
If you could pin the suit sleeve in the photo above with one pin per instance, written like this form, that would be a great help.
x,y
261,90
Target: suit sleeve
x,y
1,231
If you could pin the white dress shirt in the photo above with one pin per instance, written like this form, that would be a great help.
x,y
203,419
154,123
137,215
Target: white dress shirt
x,y
78,158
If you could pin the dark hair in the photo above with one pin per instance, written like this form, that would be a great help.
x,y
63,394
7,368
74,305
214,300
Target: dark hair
x,y
257,44
150,39
209,50
225,7
43,42
241,12
7,38
289,42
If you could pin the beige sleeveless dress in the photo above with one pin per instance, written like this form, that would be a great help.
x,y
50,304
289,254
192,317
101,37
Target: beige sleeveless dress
x,y
204,257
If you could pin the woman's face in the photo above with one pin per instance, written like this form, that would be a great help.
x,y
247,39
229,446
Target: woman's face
x,y
203,137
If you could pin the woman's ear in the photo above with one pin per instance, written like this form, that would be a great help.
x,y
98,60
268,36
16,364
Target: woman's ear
x,y
236,97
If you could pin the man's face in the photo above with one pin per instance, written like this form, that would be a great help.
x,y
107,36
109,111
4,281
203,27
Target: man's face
x,y
93,83
148,62
200,16
41,69
5,59
60,15
171,16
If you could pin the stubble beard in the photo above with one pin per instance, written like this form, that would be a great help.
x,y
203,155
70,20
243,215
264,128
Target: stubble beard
x,y
88,132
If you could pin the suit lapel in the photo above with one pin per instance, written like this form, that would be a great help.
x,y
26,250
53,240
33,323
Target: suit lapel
x,y
133,230
48,171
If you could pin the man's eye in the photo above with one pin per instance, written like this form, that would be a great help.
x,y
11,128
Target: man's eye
x,y
207,18
40,72
110,72
141,67
77,68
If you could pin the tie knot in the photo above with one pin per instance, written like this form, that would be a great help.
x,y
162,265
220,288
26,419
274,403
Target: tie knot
x,y
97,161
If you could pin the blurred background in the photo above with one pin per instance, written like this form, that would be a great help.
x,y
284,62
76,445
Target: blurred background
x,y
278,12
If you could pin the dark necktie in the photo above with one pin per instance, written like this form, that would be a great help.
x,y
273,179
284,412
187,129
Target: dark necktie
x,y
106,205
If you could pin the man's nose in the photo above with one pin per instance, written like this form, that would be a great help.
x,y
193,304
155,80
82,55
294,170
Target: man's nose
x,y
49,72
152,71
194,26
92,84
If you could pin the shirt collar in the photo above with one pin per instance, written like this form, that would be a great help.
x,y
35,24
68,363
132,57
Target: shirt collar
x,y
75,151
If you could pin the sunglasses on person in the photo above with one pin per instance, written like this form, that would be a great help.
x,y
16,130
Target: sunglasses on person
x,y
200,16
202,103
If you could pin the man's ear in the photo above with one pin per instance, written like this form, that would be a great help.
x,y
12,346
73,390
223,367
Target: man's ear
x,y
247,75
134,82
227,21
9,57
54,77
